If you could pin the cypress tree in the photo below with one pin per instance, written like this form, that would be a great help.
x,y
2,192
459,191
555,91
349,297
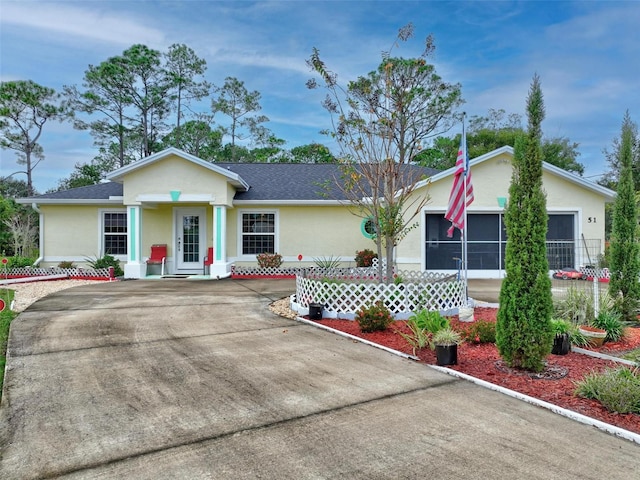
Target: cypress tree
x,y
523,331
624,250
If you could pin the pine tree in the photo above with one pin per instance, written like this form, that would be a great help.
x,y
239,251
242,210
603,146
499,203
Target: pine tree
x,y
523,332
624,261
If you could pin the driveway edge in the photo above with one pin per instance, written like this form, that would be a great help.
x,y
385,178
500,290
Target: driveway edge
x,y
611,429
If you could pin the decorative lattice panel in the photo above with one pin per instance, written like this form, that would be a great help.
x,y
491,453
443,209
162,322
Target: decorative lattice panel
x,y
595,272
265,272
349,297
70,272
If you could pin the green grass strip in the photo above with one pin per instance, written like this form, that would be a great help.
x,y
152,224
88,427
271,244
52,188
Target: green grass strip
x,y
5,321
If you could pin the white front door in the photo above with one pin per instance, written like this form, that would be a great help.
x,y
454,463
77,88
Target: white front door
x,y
190,239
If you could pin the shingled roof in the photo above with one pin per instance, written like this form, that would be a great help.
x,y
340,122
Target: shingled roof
x,y
267,181
101,191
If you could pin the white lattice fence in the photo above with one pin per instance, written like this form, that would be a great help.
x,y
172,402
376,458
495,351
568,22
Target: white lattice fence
x,y
344,299
70,272
265,271
595,272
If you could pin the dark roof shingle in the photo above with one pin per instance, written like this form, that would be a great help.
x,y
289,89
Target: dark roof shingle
x,y
268,181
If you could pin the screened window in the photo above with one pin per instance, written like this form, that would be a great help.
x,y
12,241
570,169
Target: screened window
x,y
258,233
487,240
560,241
114,233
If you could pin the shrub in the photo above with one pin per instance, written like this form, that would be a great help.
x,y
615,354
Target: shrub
x,y
19,261
327,262
106,262
611,322
364,258
269,260
618,389
374,318
523,329
576,306
481,331
66,265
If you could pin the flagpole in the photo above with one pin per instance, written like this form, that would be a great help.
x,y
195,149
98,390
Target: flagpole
x,y
464,231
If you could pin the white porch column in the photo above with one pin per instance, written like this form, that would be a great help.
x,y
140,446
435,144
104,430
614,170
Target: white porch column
x,y
135,266
220,268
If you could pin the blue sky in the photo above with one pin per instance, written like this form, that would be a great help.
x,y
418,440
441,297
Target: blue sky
x,y
586,54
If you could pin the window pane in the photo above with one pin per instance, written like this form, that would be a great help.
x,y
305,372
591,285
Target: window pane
x,y
115,244
483,227
191,238
560,227
258,223
255,244
114,228
442,255
483,256
115,223
437,227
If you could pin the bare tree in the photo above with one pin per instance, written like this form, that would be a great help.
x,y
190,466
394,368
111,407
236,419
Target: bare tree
x,y
24,233
381,121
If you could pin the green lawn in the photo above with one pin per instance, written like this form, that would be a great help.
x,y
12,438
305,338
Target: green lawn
x,y
5,320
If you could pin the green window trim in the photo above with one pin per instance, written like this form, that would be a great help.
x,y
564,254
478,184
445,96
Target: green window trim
x,y
366,226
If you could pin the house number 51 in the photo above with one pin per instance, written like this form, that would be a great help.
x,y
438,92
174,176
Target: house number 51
x,y
591,220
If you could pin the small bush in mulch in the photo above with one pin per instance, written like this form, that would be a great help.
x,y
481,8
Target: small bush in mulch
x,y
618,389
482,331
374,318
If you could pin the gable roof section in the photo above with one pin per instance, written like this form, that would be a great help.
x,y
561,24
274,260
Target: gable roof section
x,y
235,180
607,193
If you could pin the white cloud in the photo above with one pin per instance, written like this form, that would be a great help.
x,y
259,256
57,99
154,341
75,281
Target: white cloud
x,y
70,23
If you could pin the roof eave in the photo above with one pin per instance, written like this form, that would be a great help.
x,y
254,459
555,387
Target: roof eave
x,y
71,201
291,203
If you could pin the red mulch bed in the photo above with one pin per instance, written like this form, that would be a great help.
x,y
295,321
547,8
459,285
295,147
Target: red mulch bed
x,y
479,361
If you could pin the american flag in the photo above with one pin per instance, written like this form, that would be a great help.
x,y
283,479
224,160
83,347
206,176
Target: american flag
x,y
456,209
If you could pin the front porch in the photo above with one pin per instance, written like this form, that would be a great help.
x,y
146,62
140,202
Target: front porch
x,y
191,239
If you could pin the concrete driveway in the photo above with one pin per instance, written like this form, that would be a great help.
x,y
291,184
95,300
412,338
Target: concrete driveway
x,y
198,380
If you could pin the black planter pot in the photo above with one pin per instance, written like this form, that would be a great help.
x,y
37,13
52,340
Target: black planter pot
x,y
561,344
446,355
315,311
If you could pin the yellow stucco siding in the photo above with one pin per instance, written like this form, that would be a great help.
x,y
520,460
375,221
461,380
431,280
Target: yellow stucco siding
x,y
176,174
157,227
492,179
232,233
309,231
72,231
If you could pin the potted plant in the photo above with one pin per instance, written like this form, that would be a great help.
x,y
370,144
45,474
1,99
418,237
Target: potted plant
x,y
595,336
561,340
445,342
